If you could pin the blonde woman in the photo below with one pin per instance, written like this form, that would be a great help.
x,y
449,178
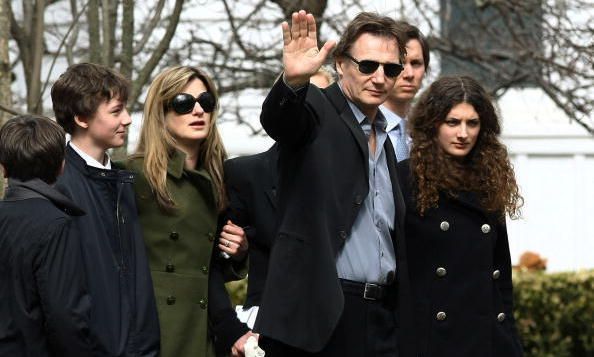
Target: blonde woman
x,y
180,191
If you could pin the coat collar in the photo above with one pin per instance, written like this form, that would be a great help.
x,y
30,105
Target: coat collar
x,y
175,166
21,190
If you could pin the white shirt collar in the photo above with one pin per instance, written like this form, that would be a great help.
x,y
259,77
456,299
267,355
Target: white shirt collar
x,y
90,160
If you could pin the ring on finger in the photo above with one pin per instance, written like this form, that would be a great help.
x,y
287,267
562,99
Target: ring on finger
x,y
227,243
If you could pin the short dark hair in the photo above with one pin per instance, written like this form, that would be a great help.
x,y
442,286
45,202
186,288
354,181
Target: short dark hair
x,y
80,90
32,146
372,23
412,32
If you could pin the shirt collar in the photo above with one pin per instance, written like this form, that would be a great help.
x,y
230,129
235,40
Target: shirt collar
x,y
90,160
379,117
392,118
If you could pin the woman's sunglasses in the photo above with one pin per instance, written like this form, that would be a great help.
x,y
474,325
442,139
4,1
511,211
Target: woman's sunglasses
x,y
391,70
183,103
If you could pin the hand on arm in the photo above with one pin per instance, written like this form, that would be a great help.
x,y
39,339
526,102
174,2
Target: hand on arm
x,y
238,348
233,241
301,56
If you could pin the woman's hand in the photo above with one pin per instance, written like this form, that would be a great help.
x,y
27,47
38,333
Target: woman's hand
x,y
233,241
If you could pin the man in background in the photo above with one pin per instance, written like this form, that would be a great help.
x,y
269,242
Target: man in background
x,y
408,83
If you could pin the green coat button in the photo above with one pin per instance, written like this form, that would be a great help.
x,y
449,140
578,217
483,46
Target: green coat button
x,y
170,268
210,236
202,303
170,300
174,236
205,270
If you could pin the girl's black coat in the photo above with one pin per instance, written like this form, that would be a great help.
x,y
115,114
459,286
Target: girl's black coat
x,y
460,271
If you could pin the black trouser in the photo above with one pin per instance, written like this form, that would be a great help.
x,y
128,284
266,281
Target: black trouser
x,y
366,328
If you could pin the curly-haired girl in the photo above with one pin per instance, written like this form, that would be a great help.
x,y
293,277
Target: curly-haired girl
x,y
458,186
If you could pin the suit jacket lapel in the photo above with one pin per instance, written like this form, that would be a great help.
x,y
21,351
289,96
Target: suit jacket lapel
x,y
396,191
338,100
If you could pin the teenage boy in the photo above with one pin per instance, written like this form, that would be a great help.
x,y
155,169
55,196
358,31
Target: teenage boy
x,y
44,307
90,104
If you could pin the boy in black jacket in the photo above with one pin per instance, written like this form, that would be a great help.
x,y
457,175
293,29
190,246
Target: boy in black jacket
x,y
90,104
44,306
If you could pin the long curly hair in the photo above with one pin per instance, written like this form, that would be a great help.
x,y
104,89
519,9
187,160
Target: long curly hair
x,y
485,171
156,144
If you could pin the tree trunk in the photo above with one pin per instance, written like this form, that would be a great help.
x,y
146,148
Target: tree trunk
x,y
34,104
94,32
5,72
126,61
316,7
127,38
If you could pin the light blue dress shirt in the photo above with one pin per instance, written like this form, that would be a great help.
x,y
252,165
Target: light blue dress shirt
x,y
368,253
397,132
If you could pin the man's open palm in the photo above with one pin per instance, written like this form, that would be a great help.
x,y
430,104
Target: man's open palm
x,y
301,56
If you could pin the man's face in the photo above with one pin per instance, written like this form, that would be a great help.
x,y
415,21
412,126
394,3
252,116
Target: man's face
x,y
409,80
368,91
107,127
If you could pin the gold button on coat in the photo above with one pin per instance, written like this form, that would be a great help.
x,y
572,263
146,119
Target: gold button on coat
x,y
441,271
441,316
500,317
444,226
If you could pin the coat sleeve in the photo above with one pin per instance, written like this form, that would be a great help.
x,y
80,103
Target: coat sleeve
x,y
226,327
285,116
62,291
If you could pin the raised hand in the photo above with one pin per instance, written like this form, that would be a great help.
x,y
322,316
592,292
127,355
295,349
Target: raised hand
x,y
301,56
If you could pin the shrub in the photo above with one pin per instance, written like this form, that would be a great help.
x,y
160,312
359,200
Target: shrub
x,y
555,313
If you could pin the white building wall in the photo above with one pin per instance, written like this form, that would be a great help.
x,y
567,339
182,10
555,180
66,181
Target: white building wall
x,y
554,164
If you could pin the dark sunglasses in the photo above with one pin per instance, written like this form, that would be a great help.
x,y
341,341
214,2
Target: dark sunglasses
x,y
183,103
391,70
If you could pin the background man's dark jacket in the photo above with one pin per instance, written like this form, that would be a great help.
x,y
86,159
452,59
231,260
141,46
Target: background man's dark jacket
x,y
251,183
44,306
123,312
323,182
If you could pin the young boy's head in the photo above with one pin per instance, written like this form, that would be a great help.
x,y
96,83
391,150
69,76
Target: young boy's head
x,y
89,101
31,147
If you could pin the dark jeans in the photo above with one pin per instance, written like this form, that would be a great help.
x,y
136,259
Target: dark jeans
x,y
365,329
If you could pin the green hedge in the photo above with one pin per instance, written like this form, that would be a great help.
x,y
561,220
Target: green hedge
x,y
554,312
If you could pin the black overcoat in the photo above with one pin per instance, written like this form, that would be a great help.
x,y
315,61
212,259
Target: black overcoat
x,y
460,271
323,181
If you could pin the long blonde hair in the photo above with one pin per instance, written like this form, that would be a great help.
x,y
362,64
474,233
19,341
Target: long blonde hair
x,y
157,145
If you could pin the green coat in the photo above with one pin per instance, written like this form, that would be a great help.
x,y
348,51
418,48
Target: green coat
x,y
179,247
